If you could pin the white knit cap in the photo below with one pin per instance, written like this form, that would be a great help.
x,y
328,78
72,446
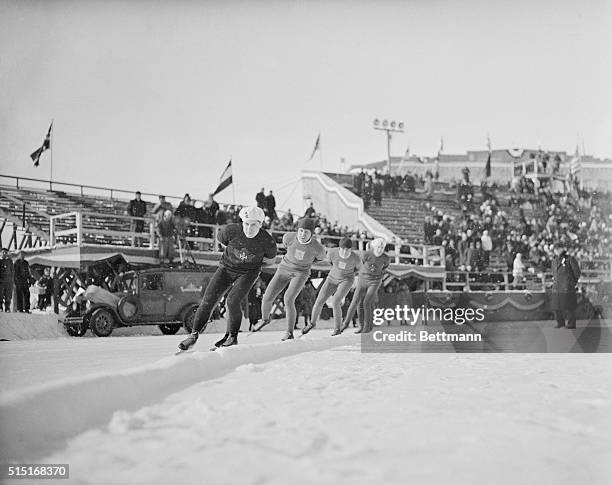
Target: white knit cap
x,y
379,243
252,214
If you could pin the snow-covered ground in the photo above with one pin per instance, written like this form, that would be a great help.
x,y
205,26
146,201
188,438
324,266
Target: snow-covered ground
x,y
315,410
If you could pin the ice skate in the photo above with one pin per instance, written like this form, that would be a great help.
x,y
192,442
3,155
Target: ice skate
x,y
230,340
259,326
287,336
336,332
359,330
219,343
307,328
188,342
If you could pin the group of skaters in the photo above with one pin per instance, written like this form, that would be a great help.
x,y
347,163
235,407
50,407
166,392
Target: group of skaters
x,y
248,247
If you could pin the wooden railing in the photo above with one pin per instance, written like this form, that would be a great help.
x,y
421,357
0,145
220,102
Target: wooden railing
x,y
82,227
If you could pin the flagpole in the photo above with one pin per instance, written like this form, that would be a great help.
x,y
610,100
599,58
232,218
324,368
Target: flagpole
x,y
320,153
51,164
233,184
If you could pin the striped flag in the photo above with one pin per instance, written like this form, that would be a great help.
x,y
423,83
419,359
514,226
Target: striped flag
x,y
35,155
226,178
316,147
575,163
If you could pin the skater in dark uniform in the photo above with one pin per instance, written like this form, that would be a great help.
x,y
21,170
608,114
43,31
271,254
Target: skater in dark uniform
x,y
247,248
373,264
566,273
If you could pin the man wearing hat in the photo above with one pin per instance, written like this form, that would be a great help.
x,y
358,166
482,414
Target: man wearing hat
x,y
345,264
292,272
566,273
247,248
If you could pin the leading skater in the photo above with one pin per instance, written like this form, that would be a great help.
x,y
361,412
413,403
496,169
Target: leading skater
x,y
345,264
373,265
292,272
247,248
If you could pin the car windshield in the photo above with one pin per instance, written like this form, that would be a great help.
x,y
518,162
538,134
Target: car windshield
x,y
129,282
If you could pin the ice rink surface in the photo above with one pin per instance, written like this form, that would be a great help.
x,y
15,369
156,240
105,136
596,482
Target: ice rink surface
x,y
334,416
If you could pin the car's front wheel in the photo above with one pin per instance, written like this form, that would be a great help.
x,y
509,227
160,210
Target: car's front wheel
x,y
102,322
76,329
170,329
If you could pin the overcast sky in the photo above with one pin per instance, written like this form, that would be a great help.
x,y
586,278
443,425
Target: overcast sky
x,y
159,95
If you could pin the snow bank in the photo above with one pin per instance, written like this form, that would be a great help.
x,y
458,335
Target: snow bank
x,y
37,420
23,326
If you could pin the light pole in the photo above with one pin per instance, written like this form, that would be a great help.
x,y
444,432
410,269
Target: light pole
x,y
389,127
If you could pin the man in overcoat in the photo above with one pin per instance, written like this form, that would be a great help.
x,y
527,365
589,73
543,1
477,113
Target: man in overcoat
x,y
566,273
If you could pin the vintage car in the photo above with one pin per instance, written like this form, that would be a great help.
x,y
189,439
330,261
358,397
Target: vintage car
x,y
164,297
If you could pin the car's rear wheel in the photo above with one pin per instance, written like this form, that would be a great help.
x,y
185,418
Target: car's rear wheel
x,y
170,329
188,317
102,322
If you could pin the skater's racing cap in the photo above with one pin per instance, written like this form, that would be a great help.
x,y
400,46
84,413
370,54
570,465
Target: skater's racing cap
x,y
378,244
346,243
252,214
306,223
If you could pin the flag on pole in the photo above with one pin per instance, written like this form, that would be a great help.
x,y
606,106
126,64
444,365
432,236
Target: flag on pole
x,y
316,147
406,155
441,146
35,156
226,179
488,164
575,162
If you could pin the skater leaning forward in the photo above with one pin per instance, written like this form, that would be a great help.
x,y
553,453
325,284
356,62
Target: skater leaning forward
x,y
293,271
247,248
345,264
374,262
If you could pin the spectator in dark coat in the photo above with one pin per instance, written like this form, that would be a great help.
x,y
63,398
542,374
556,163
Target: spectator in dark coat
x,y
260,198
566,273
377,190
310,212
185,208
23,278
7,276
212,207
304,303
270,206
137,208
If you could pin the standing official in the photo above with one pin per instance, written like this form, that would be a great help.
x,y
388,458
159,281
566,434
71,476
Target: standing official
x,y
6,280
22,283
566,273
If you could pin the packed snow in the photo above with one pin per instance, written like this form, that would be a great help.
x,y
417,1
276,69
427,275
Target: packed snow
x,y
315,410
